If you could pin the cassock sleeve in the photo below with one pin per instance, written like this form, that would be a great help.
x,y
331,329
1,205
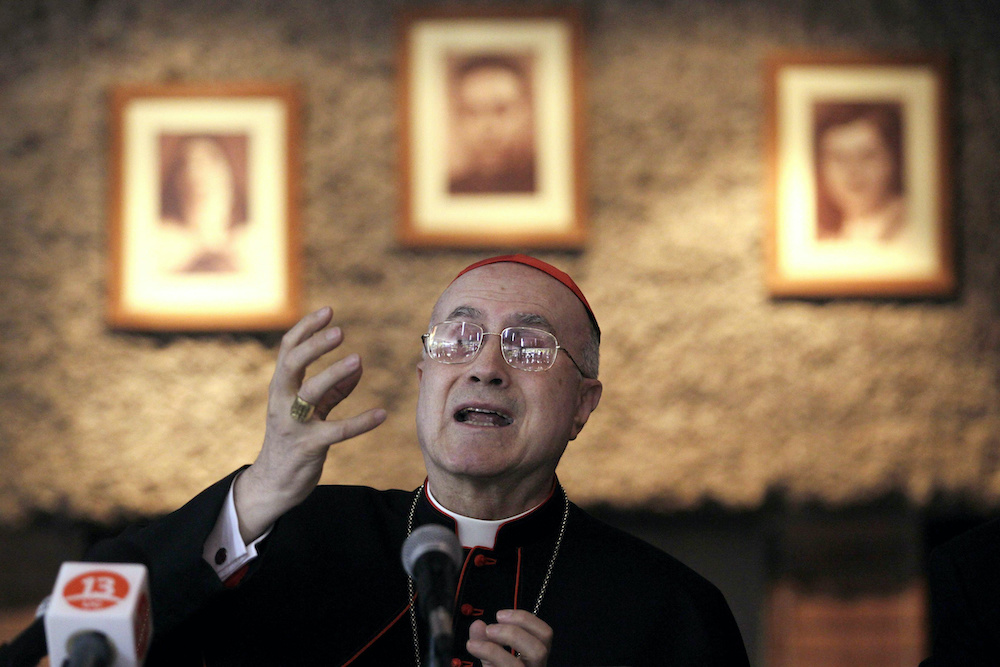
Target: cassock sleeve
x,y
181,581
224,549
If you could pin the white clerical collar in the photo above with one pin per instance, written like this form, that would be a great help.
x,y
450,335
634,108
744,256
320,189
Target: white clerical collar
x,y
475,532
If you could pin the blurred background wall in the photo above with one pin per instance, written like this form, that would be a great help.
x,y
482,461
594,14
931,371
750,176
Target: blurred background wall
x,y
802,453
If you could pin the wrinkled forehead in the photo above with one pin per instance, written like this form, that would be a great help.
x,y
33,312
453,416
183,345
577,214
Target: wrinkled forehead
x,y
504,293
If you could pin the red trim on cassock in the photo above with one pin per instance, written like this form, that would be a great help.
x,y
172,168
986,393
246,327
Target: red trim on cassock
x,y
517,579
384,630
461,575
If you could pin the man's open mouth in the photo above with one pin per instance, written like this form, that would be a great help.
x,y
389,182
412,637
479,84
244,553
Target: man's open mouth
x,y
482,417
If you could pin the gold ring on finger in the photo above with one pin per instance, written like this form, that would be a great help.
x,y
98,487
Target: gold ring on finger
x,y
302,410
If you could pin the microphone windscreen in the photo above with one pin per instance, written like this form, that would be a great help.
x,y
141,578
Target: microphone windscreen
x,y
431,538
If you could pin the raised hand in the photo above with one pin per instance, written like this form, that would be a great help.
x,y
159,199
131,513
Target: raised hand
x,y
291,459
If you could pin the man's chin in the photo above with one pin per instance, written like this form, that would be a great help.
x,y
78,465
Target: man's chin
x,y
480,459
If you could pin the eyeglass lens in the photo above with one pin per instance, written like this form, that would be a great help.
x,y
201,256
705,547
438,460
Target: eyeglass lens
x,y
529,349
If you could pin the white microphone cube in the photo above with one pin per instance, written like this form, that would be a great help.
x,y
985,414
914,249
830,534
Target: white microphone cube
x,y
108,598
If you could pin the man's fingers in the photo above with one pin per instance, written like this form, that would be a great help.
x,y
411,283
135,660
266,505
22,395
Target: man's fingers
x,y
332,385
345,429
306,327
526,634
477,631
492,655
527,646
303,344
292,364
525,620
315,439
480,646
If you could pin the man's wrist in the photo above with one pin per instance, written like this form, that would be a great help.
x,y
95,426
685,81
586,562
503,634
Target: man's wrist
x,y
244,499
257,508
225,549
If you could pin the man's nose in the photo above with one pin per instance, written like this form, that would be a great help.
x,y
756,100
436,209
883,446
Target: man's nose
x,y
489,365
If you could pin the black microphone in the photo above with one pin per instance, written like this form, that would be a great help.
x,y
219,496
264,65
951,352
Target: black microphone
x,y
432,556
90,649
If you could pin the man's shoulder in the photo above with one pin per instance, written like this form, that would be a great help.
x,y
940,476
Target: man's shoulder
x,y
640,559
661,597
341,498
335,518
610,539
360,493
982,541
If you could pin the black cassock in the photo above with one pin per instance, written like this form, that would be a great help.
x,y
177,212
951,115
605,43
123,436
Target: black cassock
x,y
328,588
965,599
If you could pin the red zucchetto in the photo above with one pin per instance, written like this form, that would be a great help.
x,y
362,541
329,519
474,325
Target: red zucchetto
x,y
536,263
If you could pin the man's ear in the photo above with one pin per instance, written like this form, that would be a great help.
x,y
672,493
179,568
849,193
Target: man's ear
x,y
590,396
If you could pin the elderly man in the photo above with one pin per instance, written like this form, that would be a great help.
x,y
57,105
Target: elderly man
x,y
271,569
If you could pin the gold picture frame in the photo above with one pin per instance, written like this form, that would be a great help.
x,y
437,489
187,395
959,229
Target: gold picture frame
x,y
858,191
203,225
491,129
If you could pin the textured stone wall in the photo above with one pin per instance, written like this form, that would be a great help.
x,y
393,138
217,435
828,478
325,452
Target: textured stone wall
x,y
712,391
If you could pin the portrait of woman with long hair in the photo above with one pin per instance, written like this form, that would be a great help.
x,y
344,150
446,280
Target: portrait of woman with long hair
x,y
203,203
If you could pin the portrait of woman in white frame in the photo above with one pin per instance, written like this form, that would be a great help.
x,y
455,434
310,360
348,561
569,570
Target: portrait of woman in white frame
x,y
857,192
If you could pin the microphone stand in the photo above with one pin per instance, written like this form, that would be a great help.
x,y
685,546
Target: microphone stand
x,y
440,642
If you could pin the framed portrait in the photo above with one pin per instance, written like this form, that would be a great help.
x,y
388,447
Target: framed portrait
x,y
491,150
858,192
203,225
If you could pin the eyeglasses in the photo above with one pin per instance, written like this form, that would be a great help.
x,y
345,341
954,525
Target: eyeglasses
x,y
523,348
